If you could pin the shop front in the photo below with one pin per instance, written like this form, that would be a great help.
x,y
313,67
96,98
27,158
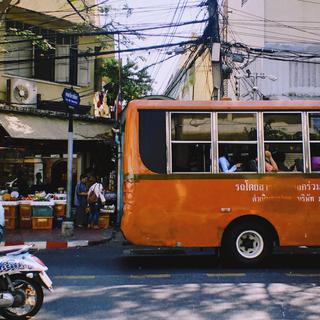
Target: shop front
x,y
33,164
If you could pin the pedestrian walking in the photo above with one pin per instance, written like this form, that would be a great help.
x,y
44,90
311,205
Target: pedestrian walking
x,y
95,200
80,201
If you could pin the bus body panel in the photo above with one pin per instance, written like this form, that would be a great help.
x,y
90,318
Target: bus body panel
x,y
193,210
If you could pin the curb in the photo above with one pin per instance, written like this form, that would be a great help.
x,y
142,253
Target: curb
x,y
57,244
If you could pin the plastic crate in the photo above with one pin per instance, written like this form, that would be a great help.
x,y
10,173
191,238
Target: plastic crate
x,y
59,210
42,211
25,210
42,223
25,223
103,221
11,223
10,211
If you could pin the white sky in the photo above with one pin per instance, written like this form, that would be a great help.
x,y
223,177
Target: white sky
x,y
153,13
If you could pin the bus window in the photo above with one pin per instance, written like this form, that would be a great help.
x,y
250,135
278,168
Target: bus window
x,y
191,157
288,156
314,129
191,142
283,138
237,135
231,154
282,126
190,127
314,125
237,127
152,139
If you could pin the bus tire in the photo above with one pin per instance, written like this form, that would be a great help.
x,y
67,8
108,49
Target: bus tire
x,y
247,243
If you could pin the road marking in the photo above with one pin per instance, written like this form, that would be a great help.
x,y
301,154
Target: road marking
x,y
226,274
303,274
153,276
76,277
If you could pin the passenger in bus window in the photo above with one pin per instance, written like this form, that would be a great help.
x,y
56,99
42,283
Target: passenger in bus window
x,y
270,164
251,161
225,165
297,166
280,160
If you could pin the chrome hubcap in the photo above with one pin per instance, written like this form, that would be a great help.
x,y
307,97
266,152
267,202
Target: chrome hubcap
x,y
249,244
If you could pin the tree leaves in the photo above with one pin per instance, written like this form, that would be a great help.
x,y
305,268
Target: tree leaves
x,y
134,83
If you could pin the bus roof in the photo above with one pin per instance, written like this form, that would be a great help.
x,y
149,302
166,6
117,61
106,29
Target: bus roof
x,y
226,104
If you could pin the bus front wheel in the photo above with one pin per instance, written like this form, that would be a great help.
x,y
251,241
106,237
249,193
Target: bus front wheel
x,y
247,243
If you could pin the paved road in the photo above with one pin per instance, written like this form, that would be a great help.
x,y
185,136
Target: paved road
x,y
100,283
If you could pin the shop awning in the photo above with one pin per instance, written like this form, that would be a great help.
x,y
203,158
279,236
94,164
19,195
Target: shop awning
x,y
26,126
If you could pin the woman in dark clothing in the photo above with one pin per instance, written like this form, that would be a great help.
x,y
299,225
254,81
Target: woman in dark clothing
x,y
80,201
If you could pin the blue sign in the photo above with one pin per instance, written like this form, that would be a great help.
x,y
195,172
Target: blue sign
x,y
71,97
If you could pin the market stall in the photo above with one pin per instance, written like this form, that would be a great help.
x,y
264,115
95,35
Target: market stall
x,y
38,212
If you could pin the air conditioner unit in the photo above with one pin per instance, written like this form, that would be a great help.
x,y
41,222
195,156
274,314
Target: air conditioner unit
x,y
23,92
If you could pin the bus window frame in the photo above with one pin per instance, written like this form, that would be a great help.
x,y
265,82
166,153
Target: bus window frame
x,y
302,142
217,141
214,142
309,141
170,141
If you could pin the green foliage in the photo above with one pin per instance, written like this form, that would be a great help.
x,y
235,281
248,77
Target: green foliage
x,y
135,83
36,39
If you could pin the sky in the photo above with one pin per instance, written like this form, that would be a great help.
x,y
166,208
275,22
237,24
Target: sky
x,y
149,13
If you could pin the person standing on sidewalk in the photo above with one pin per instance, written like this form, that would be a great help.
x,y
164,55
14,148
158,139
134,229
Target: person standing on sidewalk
x,y
80,201
2,223
95,200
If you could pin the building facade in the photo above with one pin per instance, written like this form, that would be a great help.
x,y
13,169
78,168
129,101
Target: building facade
x,y
270,46
43,52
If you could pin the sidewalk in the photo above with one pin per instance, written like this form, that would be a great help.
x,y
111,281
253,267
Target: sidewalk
x,y
43,239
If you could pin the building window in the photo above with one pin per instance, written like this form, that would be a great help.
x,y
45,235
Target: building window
x,y
42,64
283,138
191,142
62,65
237,142
18,50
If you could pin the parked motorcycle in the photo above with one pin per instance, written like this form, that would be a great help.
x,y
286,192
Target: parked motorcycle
x,y
22,276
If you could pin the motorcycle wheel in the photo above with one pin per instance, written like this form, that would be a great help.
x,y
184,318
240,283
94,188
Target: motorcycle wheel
x,y
28,298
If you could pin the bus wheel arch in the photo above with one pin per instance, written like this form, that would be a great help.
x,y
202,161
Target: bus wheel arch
x,y
248,240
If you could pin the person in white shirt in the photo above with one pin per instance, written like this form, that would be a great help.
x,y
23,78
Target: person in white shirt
x,y
96,204
225,165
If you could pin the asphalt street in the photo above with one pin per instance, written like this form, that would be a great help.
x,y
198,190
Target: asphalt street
x,y
101,283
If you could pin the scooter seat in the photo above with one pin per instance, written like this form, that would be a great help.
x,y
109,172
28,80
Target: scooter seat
x,y
13,249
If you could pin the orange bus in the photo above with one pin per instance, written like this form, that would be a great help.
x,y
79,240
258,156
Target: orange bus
x,y
243,176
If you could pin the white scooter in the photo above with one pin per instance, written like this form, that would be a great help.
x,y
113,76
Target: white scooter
x,y
22,276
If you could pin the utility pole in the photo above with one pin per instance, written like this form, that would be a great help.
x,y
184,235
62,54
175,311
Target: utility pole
x,y
225,39
213,27
119,142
